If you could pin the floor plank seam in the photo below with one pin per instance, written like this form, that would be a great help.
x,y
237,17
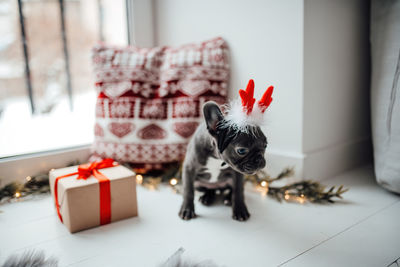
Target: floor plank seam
x,y
396,261
31,221
82,260
337,234
38,243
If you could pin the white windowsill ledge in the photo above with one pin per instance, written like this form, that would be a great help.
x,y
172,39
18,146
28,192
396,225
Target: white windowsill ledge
x,y
17,168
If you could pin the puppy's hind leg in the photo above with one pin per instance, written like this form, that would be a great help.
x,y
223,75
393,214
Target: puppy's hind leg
x,y
187,209
228,197
208,197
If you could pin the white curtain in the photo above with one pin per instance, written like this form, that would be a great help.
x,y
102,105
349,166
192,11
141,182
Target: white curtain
x,y
385,91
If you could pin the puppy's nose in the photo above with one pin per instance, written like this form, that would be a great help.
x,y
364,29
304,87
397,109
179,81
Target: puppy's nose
x,y
260,161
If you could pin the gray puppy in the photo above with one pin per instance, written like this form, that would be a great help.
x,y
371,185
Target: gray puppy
x,y
242,152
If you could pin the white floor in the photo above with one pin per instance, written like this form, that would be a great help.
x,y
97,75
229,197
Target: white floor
x,y
362,230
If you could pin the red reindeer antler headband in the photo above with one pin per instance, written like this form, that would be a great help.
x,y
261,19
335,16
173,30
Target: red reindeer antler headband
x,y
248,98
242,115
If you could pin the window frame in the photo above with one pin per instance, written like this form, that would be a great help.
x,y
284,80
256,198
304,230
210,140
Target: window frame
x,y
140,31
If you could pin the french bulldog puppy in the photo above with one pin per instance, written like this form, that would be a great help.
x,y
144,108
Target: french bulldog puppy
x,y
240,152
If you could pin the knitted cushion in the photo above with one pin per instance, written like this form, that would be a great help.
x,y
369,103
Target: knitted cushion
x,y
150,99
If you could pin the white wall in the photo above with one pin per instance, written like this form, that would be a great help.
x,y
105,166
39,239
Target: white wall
x,y
336,86
266,44
315,53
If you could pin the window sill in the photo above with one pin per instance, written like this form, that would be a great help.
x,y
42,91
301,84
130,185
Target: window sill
x,y
17,168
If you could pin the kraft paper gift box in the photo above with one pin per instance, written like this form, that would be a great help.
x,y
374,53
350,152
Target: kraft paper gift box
x,y
86,200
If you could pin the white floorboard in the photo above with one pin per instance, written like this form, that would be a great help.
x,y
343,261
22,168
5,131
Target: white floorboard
x,y
374,241
361,230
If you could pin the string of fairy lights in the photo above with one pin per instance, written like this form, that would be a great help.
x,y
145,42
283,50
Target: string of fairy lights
x,y
298,192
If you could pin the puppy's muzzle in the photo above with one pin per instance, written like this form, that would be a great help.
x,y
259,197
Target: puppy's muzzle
x,y
255,163
259,161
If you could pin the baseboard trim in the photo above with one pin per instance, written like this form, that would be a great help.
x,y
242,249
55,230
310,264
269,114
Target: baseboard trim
x,y
323,163
278,160
333,160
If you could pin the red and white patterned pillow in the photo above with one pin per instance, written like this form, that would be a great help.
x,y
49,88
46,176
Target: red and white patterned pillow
x,y
150,99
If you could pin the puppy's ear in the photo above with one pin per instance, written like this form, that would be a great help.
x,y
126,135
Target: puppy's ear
x,y
212,115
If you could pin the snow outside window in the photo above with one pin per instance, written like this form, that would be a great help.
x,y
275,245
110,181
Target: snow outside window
x,y
55,88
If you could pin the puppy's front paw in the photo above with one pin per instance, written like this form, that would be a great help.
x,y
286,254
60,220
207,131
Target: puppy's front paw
x,y
240,213
187,212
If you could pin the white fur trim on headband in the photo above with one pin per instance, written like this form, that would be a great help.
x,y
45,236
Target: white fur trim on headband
x,y
237,119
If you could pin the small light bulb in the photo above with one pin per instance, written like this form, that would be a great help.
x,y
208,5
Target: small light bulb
x,y
173,181
17,194
52,170
302,195
139,179
264,184
287,196
28,178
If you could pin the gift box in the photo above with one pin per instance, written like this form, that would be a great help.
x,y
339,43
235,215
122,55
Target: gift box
x,y
93,194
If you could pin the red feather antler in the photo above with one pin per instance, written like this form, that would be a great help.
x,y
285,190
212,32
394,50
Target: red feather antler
x,y
266,99
248,97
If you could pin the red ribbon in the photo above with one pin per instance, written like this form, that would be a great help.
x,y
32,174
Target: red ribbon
x,y
84,172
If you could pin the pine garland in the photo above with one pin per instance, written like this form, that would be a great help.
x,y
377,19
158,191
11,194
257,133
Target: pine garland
x,y
33,186
299,192
311,191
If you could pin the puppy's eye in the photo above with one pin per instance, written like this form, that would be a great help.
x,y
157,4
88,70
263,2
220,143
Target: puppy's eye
x,y
242,151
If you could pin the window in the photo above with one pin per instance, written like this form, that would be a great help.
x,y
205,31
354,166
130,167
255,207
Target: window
x,y
47,95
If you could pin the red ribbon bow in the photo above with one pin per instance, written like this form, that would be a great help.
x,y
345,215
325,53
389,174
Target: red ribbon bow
x,y
87,170
84,172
